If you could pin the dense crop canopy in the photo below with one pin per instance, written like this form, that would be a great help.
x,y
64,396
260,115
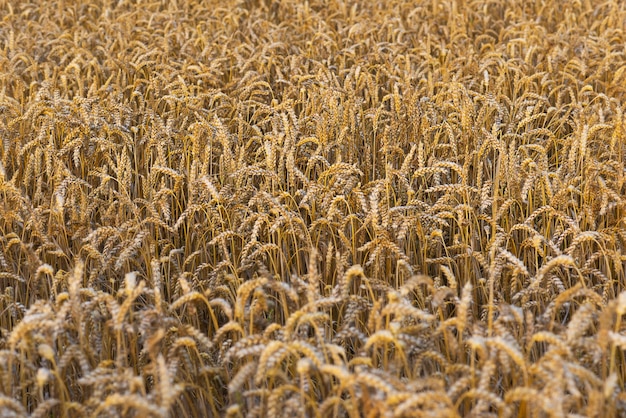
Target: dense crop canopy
x,y
312,208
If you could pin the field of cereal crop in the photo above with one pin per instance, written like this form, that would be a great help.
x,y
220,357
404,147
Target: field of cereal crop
x,y
324,208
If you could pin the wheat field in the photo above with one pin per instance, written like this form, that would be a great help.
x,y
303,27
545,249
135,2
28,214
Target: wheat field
x,y
323,208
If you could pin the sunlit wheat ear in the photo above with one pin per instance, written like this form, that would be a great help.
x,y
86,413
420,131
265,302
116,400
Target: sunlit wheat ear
x,y
562,260
464,307
347,281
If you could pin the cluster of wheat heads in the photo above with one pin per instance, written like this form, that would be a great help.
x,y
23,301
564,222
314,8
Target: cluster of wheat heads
x,y
312,208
